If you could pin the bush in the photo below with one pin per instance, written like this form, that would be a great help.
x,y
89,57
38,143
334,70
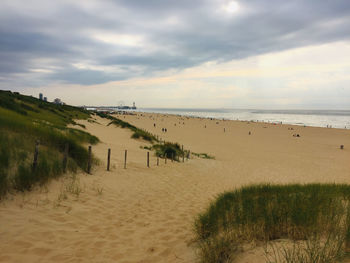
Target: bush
x,y
169,150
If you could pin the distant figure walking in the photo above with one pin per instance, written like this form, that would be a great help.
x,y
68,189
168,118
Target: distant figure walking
x,y
154,125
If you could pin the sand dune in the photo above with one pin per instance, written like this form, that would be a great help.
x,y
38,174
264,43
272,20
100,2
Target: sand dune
x,y
142,214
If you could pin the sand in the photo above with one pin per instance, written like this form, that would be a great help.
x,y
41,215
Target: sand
x,y
142,214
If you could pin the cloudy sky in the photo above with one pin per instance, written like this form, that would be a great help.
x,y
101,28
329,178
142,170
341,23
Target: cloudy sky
x,y
271,54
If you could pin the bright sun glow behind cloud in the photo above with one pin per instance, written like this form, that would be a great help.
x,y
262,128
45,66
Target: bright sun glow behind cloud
x,y
232,7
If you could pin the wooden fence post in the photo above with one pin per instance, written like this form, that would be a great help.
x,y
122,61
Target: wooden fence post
x,y
65,157
172,157
126,153
89,161
108,159
157,160
148,159
36,153
165,158
183,154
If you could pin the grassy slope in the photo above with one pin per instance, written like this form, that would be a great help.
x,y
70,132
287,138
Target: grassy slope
x,y
23,121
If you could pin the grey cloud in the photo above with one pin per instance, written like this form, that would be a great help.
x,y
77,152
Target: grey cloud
x,y
63,34
84,77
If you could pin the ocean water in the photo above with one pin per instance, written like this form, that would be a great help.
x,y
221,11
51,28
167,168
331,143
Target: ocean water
x,y
317,118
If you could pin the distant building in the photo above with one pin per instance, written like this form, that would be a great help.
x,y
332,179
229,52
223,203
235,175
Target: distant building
x,y
133,106
40,96
45,98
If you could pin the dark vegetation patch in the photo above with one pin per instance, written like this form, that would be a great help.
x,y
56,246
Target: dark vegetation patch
x,y
167,150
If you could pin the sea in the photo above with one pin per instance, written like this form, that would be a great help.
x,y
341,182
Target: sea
x,y
316,118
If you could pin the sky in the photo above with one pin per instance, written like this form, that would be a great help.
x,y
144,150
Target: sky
x,y
267,54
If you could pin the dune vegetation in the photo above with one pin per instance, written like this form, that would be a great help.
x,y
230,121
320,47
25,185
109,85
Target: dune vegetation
x,y
137,132
162,149
312,220
203,155
26,121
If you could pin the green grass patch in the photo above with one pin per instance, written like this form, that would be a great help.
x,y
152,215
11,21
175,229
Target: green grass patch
x,y
315,218
23,121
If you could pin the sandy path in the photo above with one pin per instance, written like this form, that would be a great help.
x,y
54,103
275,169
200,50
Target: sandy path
x,y
146,214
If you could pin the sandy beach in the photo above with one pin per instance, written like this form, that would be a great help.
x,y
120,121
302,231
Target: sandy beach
x,y
142,214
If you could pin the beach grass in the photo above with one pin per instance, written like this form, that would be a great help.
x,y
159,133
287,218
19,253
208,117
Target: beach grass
x,y
24,121
314,218
169,150
203,155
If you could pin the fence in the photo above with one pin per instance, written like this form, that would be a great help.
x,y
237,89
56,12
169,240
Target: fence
x,y
109,154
